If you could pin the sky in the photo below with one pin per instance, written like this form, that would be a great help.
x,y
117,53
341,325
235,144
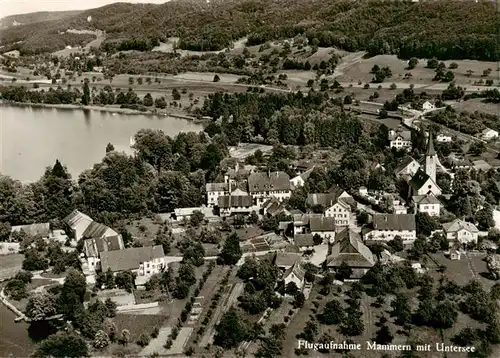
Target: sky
x,y
13,7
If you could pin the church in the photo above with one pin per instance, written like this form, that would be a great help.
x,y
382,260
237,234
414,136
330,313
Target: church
x,y
424,181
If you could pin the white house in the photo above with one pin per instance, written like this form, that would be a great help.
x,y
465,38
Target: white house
x,y
427,204
460,232
324,227
408,167
300,180
443,138
263,186
77,222
235,204
400,139
214,191
296,275
385,227
427,106
145,261
337,204
489,134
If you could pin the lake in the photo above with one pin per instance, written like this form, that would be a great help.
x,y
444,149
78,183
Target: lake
x,y
14,339
32,138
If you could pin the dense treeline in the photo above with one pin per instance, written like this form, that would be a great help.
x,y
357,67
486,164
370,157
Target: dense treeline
x,y
427,29
159,178
470,123
294,119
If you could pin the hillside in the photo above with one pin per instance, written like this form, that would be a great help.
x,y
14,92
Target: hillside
x,y
24,19
444,29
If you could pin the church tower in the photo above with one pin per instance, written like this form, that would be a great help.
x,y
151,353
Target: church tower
x,y
431,159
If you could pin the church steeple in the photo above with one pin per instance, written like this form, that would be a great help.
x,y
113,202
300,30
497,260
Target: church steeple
x,y
430,146
431,159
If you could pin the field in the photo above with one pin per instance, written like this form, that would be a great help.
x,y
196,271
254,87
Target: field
x,y
10,265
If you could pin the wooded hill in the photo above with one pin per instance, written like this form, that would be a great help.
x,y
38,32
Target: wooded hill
x,y
442,29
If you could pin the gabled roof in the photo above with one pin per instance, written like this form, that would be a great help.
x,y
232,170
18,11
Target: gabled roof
x,y
350,249
100,244
274,207
234,201
296,270
286,259
75,217
419,179
322,224
213,187
42,229
457,225
302,240
273,181
405,134
97,230
396,222
406,161
129,259
425,199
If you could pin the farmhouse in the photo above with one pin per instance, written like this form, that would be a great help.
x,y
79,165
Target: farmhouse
x,y
460,232
77,222
400,139
349,249
385,227
324,227
273,207
263,186
427,106
427,204
144,261
93,247
285,260
337,204
304,242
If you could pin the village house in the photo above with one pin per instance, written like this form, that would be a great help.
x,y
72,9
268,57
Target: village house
x,y
337,204
273,207
304,242
427,204
263,186
235,204
300,180
92,248
349,249
460,232
296,275
481,164
285,260
443,138
385,227
214,191
324,227
407,168
144,261
428,106
488,134
76,223
400,139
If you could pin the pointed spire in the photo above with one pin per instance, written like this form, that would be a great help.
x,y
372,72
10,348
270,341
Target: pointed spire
x,y
430,146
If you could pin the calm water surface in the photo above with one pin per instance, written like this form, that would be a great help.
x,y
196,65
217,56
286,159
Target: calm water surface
x,y
33,138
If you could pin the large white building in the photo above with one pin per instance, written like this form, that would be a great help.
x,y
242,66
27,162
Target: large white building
x,y
77,222
263,186
144,261
385,227
336,204
460,232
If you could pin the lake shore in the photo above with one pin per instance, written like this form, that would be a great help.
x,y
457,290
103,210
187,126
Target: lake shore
x,y
108,109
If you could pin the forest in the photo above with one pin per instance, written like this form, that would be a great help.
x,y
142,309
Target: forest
x,y
440,29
